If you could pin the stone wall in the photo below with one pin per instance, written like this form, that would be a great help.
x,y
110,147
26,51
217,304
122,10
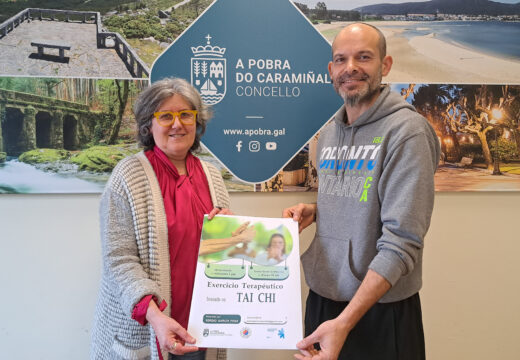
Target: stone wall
x,y
71,125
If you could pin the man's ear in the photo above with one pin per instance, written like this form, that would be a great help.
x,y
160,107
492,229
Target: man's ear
x,y
387,64
330,70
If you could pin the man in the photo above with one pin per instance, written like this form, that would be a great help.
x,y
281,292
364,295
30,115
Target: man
x,y
376,163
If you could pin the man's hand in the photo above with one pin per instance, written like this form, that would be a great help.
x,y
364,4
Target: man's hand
x,y
331,336
303,213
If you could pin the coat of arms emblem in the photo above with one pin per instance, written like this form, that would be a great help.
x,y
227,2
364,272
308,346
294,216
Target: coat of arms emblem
x,y
208,72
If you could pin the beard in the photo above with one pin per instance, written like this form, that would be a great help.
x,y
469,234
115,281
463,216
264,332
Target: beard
x,y
365,94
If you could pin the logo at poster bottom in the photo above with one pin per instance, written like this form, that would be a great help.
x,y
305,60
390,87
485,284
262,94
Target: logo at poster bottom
x,y
208,72
245,332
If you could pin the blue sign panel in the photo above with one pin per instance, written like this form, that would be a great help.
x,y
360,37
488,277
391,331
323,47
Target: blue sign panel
x,y
263,67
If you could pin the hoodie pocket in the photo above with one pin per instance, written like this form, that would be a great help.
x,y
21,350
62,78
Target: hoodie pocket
x,y
328,270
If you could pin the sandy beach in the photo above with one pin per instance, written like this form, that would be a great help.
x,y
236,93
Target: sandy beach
x,y
426,59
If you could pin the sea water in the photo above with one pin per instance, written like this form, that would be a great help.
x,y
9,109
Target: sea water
x,y
497,38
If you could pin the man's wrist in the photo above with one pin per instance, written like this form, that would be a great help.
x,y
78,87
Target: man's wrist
x,y
314,210
345,322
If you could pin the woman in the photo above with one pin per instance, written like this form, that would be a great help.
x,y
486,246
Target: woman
x,y
151,216
275,252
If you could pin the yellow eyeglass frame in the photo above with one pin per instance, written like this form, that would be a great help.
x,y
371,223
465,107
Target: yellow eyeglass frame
x,y
176,115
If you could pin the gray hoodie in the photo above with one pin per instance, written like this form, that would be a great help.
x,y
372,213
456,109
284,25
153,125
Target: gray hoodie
x,y
375,200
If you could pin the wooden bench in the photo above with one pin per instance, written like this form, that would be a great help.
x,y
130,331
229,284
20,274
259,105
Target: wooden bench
x,y
51,44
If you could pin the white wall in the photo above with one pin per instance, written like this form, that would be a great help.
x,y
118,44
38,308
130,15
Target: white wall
x,y
50,266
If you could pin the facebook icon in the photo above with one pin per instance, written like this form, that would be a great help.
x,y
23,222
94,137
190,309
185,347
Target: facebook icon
x,y
239,145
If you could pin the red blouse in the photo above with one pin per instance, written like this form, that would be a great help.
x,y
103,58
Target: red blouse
x,y
186,199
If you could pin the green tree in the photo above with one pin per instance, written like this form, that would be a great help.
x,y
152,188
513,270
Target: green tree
x,y
122,98
437,103
50,84
480,105
197,6
303,8
21,84
321,10
504,149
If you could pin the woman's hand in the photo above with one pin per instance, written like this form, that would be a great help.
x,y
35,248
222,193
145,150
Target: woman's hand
x,y
275,254
171,335
220,211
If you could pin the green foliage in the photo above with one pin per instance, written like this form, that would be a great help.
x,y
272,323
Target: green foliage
x,y
131,26
106,97
22,84
303,7
38,156
510,169
321,6
506,150
473,151
102,158
11,8
139,26
147,50
38,86
184,15
99,130
107,94
3,157
139,5
50,85
344,15
174,28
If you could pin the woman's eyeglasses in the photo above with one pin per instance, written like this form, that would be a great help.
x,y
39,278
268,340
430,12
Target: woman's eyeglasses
x,y
167,118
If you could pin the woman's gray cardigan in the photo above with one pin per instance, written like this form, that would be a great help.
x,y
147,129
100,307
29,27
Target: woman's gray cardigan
x,y
134,244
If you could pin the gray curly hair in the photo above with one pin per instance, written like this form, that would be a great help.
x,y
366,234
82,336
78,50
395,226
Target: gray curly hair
x,y
151,99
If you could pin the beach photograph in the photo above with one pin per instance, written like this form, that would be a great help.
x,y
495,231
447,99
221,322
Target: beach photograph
x,y
435,41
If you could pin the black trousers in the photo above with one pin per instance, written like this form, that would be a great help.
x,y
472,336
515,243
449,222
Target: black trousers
x,y
390,331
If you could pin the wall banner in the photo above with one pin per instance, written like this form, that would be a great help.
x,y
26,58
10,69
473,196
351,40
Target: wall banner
x,y
269,97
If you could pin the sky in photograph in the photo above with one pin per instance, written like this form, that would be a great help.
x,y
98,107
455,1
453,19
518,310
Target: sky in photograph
x,y
352,4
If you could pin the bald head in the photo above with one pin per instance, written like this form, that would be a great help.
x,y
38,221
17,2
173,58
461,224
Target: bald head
x,y
359,62
364,29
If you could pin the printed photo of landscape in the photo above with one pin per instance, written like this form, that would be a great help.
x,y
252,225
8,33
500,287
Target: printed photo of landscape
x,y
456,61
443,41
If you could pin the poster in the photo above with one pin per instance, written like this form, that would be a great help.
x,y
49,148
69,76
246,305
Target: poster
x,y
247,295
